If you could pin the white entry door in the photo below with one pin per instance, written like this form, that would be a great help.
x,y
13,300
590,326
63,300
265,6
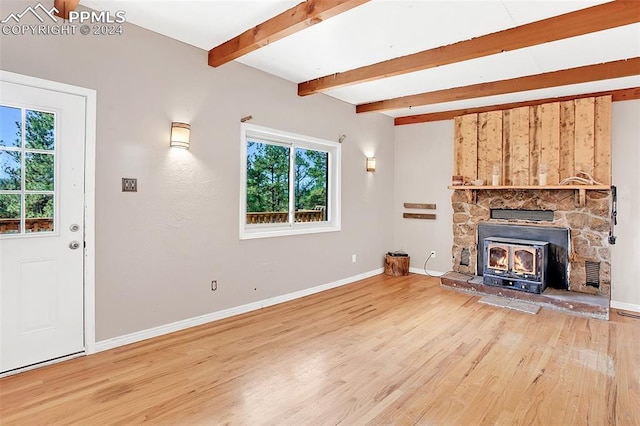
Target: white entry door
x,y
42,136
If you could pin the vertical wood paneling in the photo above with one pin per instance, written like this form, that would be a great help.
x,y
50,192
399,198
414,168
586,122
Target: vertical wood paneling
x,y
482,147
567,140
489,144
506,148
535,133
469,146
584,150
549,141
565,136
544,142
602,139
457,145
519,142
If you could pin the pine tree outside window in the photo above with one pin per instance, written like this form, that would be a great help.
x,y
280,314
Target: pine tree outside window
x,y
289,184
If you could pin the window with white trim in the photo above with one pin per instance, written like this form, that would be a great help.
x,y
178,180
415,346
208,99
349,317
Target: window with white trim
x,y
289,183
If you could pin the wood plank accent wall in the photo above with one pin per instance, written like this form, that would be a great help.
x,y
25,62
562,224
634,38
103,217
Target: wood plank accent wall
x,y
466,146
489,137
567,137
602,149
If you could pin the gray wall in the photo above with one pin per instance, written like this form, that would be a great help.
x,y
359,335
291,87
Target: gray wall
x,y
157,250
424,162
625,268
423,171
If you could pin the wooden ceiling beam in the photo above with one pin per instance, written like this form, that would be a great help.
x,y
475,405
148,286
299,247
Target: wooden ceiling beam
x,y
616,95
585,74
297,18
585,21
64,7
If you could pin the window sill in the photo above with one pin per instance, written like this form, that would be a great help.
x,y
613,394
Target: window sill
x,y
270,232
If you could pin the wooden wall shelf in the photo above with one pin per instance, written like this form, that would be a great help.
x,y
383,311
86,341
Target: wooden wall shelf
x,y
581,190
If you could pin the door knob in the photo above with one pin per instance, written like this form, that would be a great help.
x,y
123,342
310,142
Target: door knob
x,y
75,227
74,245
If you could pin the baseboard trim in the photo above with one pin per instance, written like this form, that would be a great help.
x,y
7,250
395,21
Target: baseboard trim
x,y
226,313
430,272
625,306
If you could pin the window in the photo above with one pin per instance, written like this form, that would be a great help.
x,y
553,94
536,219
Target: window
x,y
289,184
27,163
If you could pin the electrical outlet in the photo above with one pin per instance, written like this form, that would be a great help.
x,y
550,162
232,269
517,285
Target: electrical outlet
x,y
433,254
129,185
354,258
214,285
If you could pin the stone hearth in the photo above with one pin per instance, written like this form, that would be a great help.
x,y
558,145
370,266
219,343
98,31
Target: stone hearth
x,y
582,304
588,225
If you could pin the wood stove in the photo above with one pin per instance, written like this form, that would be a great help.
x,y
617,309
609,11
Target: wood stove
x,y
557,268
515,263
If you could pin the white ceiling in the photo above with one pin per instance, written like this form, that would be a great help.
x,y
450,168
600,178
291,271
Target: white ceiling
x,y
385,29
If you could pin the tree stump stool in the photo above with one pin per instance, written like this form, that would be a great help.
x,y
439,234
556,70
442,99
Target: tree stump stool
x,y
396,266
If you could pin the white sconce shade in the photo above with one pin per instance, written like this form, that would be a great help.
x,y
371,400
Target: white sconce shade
x,y
371,164
180,135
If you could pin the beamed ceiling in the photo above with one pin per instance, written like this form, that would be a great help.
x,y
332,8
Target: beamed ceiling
x,y
420,60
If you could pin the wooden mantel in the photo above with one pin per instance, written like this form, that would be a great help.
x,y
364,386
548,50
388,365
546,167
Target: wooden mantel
x,y
581,190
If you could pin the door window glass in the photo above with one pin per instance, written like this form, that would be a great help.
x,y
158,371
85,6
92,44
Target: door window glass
x,y
27,171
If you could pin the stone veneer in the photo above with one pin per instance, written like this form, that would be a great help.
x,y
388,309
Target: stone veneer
x,y
589,227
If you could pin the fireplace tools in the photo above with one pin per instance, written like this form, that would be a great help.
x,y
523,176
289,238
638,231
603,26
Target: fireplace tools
x,y
614,214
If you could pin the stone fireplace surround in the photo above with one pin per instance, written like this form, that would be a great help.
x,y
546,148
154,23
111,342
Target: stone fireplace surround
x,y
588,225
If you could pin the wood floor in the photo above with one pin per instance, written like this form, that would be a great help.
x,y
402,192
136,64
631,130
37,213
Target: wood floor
x,y
386,350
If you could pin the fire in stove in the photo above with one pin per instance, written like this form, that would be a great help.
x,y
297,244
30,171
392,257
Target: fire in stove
x,y
498,257
524,261
519,264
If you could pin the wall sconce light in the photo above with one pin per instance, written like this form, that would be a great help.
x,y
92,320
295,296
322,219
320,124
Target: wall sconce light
x,y
180,135
371,164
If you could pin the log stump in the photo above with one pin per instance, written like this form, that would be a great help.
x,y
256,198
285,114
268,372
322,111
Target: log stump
x,y
396,266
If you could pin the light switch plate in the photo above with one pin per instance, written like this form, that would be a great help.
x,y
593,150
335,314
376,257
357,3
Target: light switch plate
x,y
129,185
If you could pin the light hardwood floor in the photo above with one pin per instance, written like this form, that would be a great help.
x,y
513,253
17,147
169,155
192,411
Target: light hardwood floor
x,y
385,350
